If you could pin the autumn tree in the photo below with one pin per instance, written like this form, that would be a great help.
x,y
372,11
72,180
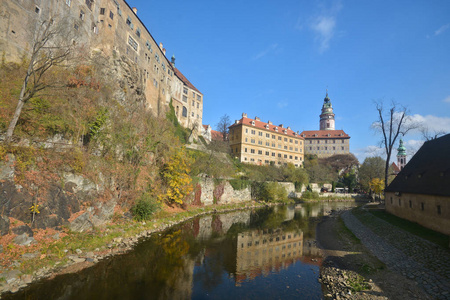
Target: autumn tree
x,y
175,174
377,185
51,46
372,167
391,123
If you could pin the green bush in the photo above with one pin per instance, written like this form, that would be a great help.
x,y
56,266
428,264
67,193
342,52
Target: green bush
x,y
144,208
269,192
239,184
310,195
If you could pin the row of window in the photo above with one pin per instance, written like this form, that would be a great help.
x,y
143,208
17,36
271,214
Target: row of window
x,y
273,145
267,153
422,205
325,148
268,135
326,142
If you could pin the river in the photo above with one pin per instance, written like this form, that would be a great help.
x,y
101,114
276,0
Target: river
x,y
268,253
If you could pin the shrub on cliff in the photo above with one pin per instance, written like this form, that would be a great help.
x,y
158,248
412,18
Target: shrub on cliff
x,y
144,208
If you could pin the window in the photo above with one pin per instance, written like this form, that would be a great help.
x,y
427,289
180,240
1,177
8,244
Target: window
x,y
259,142
184,98
185,91
89,4
132,43
285,156
273,153
285,139
75,26
81,15
260,133
279,154
245,149
198,105
422,206
267,153
138,32
252,151
198,97
68,2
111,15
259,151
290,156
253,131
342,148
273,136
343,141
399,202
267,135
102,11
192,114
184,111
279,138
128,21
193,95
252,141
193,103
37,10
439,209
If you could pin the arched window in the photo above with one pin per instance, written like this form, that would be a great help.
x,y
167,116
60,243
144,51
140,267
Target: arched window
x,y
184,111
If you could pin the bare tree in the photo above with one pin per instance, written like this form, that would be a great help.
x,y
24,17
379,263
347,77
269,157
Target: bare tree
x,y
223,125
428,136
391,123
51,46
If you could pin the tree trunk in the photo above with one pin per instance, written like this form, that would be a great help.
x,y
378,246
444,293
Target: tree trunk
x,y
21,102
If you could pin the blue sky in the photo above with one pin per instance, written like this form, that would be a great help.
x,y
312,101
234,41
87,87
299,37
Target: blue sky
x,y
275,60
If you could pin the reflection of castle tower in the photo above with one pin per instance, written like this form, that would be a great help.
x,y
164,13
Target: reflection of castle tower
x,y
327,116
260,252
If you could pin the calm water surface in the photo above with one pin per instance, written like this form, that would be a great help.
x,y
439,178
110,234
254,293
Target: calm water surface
x,y
267,253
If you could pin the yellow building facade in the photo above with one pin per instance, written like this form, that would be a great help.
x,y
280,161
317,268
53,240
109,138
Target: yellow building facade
x,y
256,142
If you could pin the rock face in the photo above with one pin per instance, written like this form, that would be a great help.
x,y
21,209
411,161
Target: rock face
x,y
94,216
56,205
223,192
4,225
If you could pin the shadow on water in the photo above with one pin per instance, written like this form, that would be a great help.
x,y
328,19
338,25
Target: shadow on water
x,y
268,253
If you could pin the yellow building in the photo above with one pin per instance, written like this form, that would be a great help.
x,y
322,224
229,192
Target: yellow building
x,y
256,142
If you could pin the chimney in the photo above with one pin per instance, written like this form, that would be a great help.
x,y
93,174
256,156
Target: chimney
x,y
270,122
134,10
257,119
244,115
164,51
160,46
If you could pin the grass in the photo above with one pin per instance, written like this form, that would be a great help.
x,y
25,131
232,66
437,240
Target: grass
x,y
347,232
358,284
414,228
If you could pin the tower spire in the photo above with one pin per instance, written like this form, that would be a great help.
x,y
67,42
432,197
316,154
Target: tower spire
x,y
327,116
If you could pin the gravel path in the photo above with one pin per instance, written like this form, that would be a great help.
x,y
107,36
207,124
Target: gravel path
x,y
417,259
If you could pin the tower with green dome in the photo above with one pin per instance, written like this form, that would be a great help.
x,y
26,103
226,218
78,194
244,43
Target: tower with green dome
x,y
327,115
401,155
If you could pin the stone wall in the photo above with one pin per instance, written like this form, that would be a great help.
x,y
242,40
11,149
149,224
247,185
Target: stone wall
x,y
289,187
428,210
221,192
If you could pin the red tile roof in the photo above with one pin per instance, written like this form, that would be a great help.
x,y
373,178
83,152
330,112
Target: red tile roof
x,y
324,134
395,168
216,135
265,126
184,79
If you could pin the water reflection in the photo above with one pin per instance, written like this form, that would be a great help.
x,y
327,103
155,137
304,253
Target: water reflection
x,y
267,253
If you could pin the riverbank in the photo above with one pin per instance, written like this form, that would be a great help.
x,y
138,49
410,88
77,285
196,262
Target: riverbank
x,y
69,252
362,263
